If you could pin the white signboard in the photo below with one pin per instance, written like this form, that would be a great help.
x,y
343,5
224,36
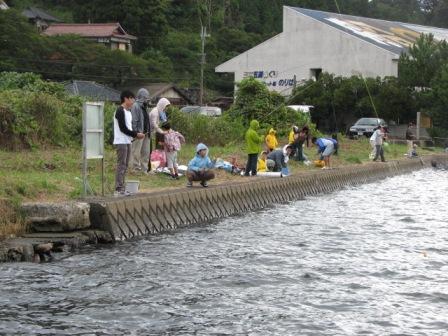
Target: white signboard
x,y
93,130
92,138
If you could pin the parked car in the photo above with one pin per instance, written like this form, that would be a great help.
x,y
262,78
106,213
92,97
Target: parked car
x,y
210,111
365,127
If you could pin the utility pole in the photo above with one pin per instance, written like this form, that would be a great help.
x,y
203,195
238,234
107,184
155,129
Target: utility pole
x,y
204,35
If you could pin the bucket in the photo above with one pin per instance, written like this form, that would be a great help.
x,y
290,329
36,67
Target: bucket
x,y
132,186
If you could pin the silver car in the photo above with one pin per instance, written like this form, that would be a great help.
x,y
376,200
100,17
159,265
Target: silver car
x,y
210,111
365,127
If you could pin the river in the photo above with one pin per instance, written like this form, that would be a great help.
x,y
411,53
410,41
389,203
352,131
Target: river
x,y
367,260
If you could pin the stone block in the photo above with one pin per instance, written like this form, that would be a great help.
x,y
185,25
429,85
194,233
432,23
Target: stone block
x,y
57,217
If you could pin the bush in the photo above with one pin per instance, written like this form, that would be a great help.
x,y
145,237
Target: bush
x,y
255,101
210,130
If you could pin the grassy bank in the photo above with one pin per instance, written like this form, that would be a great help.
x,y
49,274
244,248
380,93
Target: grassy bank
x,y
55,174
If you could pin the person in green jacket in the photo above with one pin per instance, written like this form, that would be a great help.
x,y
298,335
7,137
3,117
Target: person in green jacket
x,y
253,147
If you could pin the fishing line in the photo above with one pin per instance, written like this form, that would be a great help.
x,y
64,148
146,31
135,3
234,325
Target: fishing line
x,y
358,63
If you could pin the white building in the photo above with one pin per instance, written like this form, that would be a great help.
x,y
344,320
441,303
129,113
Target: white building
x,y
3,5
314,41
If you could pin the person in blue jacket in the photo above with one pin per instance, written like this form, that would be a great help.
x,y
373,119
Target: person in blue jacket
x,y
199,168
325,147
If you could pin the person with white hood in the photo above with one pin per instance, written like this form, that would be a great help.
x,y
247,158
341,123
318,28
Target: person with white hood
x,y
157,116
281,157
140,123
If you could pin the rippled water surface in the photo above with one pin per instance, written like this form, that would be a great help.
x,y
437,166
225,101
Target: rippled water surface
x,y
372,260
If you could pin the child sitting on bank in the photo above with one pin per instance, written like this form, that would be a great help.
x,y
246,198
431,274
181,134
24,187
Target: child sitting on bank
x,y
265,164
172,144
199,168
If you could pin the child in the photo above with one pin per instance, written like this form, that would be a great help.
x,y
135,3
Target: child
x,y
172,144
271,140
262,165
199,167
253,147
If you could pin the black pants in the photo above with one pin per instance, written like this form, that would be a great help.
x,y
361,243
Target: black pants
x,y
251,166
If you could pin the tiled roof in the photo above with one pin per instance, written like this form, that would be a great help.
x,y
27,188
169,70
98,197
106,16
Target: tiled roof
x,y
92,90
89,30
36,13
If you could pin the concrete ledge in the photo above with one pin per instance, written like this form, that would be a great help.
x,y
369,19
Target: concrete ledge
x,y
153,213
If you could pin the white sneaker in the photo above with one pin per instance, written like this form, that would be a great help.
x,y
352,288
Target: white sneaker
x,y
325,168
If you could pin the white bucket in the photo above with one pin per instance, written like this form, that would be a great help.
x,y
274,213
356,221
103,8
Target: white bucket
x,y
132,186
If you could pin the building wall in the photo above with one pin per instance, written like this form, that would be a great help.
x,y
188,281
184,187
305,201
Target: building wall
x,y
308,44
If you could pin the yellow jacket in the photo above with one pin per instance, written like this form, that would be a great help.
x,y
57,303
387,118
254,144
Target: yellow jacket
x,y
271,139
291,137
261,166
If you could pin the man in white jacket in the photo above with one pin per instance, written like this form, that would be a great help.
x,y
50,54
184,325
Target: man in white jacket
x,y
123,136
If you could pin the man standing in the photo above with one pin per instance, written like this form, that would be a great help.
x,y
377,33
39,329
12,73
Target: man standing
x,y
378,138
123,135
140,123
253,147
410,137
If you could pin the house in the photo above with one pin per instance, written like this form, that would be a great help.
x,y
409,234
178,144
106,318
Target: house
x,y
223,102
39,18
313,42
112,35
92,90
3,5
170,91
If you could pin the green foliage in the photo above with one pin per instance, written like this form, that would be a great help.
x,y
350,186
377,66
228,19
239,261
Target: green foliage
x,y
196,128
36,112
63,57
255,101
339,100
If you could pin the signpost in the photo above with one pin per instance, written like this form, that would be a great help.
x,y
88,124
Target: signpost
x,y
92,139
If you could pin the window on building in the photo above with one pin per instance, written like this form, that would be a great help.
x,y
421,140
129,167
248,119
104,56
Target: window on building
x,y
315,73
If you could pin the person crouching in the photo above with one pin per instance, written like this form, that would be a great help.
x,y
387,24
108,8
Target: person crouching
x,y
280,158
325,147
199,168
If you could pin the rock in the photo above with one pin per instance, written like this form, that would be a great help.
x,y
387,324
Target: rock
x,y
57,217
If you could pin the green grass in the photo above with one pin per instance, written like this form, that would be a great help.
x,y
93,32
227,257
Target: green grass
x,y
55,174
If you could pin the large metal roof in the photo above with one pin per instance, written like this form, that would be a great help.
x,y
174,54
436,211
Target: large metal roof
x,y
393,36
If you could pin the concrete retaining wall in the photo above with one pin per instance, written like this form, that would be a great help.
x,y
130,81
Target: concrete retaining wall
x,y
154,213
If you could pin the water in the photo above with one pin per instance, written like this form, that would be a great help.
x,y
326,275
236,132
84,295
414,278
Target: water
x,y
372,260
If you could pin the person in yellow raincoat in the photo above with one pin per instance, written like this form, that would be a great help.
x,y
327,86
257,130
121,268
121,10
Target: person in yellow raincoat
x,y
262,165
293,135
271,140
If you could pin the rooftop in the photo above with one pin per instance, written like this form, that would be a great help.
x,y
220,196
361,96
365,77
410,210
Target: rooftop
x,y
36,13
393,36
89,30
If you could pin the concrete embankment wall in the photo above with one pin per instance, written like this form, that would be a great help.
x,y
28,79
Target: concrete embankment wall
x,y
154,213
